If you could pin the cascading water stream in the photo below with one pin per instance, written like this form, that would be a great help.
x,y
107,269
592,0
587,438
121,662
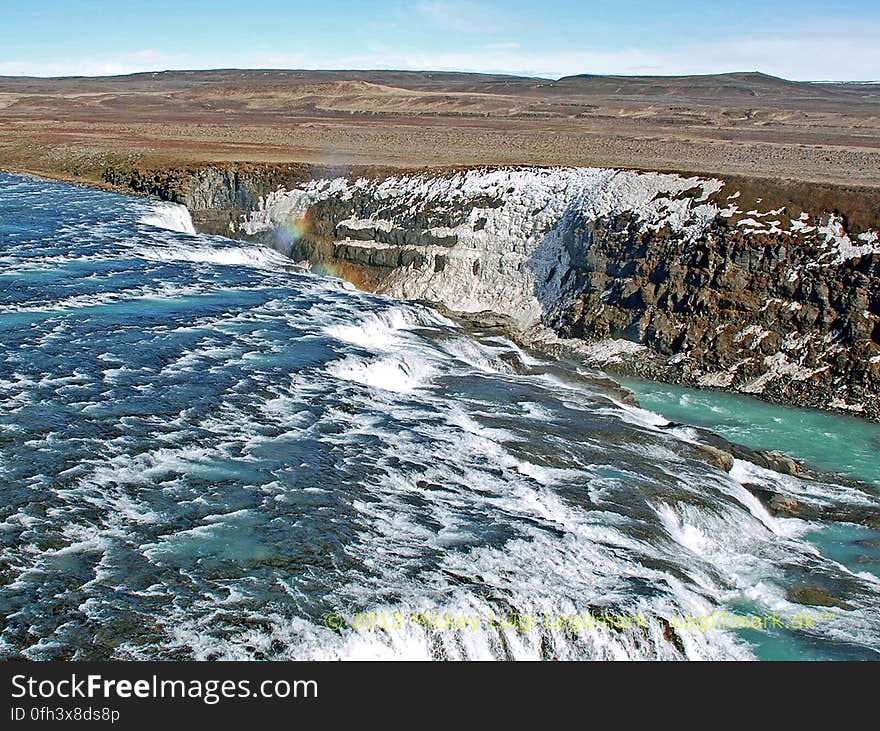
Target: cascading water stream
x,y
208,455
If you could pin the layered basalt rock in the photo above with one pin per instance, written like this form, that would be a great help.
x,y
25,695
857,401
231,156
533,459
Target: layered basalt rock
x,y
753,312
757,286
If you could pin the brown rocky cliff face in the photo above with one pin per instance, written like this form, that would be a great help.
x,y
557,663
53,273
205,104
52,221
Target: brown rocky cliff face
x,y
726,309
216,196
735,308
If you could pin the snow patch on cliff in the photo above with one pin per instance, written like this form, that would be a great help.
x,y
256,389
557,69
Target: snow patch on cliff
x,y
606,351
779,366
841,247
514,262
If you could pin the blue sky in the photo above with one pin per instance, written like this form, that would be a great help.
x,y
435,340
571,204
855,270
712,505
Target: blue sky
x,y
798,40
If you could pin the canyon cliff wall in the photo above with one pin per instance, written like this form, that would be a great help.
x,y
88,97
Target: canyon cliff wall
x,y
767,288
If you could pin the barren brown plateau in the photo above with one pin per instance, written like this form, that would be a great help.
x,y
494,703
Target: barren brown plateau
x,y
746,125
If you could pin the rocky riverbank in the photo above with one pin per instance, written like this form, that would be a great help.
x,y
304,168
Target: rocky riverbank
x,y
771,289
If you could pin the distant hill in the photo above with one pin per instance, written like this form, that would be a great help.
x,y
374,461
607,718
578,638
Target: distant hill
x,y
179,80
745,87
712,86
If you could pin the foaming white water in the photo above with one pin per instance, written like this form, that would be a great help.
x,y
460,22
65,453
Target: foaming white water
x,y
534,410
638,416
376,330
688,535
818,493
260,257
405,364
392,373
476,355
81,301
170,216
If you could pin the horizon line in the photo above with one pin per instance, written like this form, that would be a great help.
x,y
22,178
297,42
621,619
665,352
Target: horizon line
x,y
434,71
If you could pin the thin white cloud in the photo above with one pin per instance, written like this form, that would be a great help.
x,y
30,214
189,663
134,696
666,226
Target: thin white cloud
x,y
128,63
792,58
464,16
807,58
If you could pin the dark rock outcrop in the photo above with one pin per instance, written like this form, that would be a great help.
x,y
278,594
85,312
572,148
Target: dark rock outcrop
x,y
731,306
